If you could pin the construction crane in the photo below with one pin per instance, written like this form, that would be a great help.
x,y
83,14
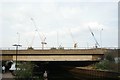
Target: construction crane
x,y
42,37
75,44
96,42
43,41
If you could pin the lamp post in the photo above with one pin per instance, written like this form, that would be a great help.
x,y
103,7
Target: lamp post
x,y
16,45
101,36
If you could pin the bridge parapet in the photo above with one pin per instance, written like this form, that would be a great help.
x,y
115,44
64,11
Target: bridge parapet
x,y
54,55
70,51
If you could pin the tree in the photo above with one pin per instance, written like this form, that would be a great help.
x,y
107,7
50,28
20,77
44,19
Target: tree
x,y
109,57
104,65
25,72
108,63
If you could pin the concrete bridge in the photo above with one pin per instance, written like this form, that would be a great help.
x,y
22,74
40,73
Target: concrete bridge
x,y
54,55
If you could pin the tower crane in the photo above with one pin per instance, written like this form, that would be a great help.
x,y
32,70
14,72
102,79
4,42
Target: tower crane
x,y
43,41
96,42
42,37
75,44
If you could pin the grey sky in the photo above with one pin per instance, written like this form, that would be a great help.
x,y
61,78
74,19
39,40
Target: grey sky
x,y
57,18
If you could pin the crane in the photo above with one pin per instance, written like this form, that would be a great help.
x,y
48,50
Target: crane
x,y
43,41
96,42
42,37
75,44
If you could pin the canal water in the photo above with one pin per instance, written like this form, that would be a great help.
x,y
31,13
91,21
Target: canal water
x,y
59,73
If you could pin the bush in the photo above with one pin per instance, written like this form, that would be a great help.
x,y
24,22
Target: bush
x,y
110,57
53,48
30,48
25,72
104,65
109,62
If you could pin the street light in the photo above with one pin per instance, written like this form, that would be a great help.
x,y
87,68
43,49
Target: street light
x,y
101,36
16,45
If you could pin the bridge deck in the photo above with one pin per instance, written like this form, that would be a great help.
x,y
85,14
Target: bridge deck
x,y
53,55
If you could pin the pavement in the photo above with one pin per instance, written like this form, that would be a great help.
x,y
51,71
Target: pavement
x,y
7,76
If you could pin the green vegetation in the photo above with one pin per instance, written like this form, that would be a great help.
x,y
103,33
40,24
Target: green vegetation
x,y
59,48
30,48
109,57
25,72
103,65
108,63
53,48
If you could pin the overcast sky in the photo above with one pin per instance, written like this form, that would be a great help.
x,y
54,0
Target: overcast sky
x,y
61,22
